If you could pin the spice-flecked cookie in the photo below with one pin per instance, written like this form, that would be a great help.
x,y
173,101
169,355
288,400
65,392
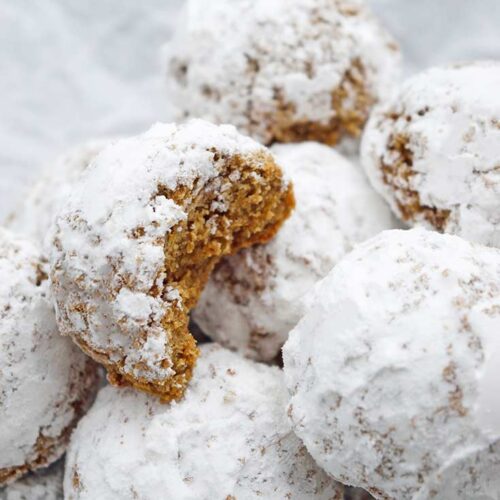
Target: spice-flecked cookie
x,y
44,484
37,210
228,438
433,150
393,371
46,382
281,70
254,298
140,234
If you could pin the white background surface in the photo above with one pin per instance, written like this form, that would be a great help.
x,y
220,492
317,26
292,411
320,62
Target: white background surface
x,y
73,70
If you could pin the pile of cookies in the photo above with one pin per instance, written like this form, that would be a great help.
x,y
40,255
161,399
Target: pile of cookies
x,y
278,315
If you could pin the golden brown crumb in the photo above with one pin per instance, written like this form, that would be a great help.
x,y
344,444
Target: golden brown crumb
x,y
257,205
351,102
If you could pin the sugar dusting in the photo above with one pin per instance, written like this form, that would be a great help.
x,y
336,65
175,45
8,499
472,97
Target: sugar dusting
x,y
388,369
449,131
109,240
254,298
229,71
227,438
45,378
36,213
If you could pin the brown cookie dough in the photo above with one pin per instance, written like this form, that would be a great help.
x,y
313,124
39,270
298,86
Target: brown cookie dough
x,y
140,235
294,70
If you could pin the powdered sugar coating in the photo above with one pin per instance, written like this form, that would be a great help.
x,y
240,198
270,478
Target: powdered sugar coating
x,y
254,298
258,64
433,150
36,214
357,494
45,484
227,438
391,370
107,264
46,382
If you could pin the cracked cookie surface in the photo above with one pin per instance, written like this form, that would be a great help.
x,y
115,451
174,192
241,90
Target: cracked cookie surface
x,y
227,438
432,151
294,70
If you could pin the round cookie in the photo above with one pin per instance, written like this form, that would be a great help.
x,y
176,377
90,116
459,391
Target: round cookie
x,y
138,238
393,371
36,214
46,382
45,484
433,152
281,70
254,298
227,438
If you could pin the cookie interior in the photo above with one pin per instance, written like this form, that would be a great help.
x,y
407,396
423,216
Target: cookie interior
x,y
244,204
351,102
398,176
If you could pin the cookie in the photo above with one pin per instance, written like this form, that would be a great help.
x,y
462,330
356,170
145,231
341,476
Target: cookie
x,y
35,214
432,151
227,438
281,70
46,382
393,371
138,238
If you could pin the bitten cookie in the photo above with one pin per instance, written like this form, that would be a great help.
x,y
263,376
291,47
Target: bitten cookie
x,y
142,231
46,382
433,151
393,371
36,213
281,70
254,298
227,438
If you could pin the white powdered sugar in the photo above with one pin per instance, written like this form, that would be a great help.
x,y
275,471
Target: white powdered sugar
x,y
46,382
254,298
433,150
274,68
36,213
45,484
227,438
107,264
391,369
